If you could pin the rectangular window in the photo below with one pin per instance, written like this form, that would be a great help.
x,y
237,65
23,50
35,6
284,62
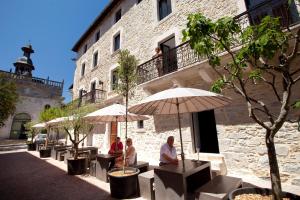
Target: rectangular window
x,y
114,80
118,15
82,69
164,8
140,124
117,42
95,59
97,36
85,48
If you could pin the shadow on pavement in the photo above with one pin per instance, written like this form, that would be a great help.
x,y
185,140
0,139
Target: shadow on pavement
x,y
25,177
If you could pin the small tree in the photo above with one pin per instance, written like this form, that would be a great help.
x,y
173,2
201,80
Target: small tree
x,y
127,65
260,45
31,132
77,126
74,128
9,98
51,113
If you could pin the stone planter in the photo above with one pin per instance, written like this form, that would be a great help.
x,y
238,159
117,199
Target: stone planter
x,y
262,191
76,167
45,153
123,186
31,146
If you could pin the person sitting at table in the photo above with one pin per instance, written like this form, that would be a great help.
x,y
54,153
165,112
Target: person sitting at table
x,y
168,153
116,147
130,155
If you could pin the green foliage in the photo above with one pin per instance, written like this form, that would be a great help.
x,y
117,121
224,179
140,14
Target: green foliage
x,y
297,104
127,65
209,39
77,129
30,132
8,98
51,113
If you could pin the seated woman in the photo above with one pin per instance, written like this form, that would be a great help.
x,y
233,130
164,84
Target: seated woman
x,y
130,155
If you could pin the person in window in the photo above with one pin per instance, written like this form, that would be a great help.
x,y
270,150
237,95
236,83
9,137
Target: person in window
x,y
168,153
130,155
158,61
116,147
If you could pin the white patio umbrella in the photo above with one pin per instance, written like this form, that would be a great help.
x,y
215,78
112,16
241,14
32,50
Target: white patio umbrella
x,y
113,113
39,125
59,120
179,100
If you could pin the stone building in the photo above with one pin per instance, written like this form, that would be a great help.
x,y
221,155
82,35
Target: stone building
x,y
142,25
35,94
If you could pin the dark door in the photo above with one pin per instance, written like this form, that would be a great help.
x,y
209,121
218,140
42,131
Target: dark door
x,y
205,131
113,132
169,55
93,92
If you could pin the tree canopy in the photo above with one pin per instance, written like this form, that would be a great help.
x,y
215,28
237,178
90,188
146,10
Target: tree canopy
x,y
262,54
8,98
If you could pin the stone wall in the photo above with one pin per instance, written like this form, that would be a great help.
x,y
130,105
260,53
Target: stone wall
x,y
140,33
30,105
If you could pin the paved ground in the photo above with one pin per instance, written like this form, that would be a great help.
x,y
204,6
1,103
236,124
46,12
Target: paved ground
x,y
26,177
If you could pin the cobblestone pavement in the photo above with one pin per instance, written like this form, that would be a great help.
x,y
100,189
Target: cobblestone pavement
x,y
23,176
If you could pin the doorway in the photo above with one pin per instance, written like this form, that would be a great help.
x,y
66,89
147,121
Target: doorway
x,y
93,92
205,132
169,55
113,132
18,130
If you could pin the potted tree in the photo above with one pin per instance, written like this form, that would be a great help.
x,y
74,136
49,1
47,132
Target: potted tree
x,y
124,181
31,132
264,57
77,130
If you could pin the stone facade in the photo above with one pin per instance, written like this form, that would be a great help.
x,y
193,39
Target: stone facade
x,y
240,140
34,95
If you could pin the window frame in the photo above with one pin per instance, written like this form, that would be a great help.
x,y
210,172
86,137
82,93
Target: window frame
x,y
114,81
118,15
140,124
161,15
97,36
95,61
118,35
82,72
85,48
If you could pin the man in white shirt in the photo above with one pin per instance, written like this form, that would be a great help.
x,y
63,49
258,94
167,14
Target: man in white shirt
x,y
168,153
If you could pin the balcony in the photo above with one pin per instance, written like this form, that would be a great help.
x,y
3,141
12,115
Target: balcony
x,y
41,81
183,57
94,96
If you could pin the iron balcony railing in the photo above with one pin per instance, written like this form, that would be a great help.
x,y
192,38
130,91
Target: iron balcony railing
x,y
41,81
94,96
182,56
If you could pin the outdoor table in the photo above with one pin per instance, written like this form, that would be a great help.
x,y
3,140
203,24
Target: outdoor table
x,y
174,182
103,165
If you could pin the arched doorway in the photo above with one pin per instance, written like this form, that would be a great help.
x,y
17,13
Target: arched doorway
x,y
17,130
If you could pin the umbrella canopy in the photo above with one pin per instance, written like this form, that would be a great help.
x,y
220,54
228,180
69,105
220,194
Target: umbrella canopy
x,y
188,99
59,120
179,100
113,113
39,125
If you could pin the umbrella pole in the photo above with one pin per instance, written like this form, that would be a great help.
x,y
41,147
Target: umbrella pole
x,y
179,126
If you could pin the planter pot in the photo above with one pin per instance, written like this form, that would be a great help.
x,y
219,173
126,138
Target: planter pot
x,y
45,153
76,167
31,147
262,191
123,185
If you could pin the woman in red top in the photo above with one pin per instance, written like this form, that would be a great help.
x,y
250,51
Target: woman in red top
x,y
116,147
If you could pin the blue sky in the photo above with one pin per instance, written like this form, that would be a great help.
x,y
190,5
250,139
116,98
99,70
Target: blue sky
x,y
52,27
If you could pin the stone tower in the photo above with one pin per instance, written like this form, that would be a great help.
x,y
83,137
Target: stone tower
x,y
24,65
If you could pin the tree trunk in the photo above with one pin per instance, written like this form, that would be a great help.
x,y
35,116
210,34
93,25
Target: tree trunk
x,y
75,151
274,169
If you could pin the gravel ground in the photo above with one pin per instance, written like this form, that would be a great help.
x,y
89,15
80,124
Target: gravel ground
x,y
26,177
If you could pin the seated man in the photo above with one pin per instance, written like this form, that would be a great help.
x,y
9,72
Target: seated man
x,y
168,153
130,155
116,147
